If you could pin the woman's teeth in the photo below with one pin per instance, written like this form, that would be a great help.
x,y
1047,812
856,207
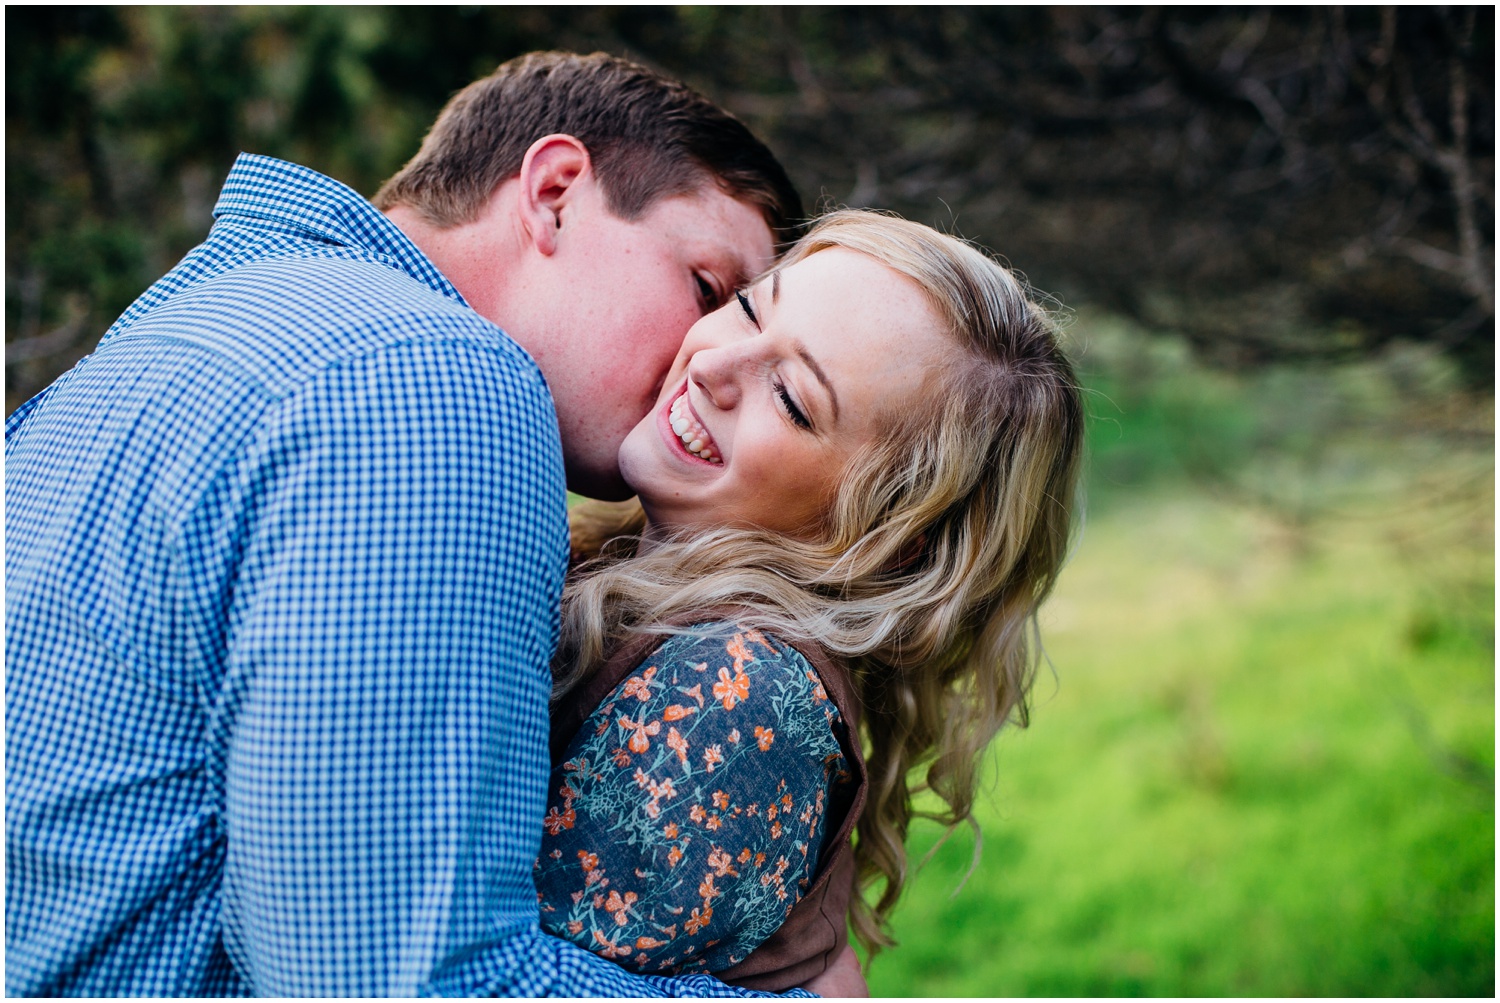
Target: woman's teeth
x,y
693,435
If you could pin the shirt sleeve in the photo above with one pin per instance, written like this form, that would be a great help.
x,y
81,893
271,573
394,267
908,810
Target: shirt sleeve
x,y
687,818
385,703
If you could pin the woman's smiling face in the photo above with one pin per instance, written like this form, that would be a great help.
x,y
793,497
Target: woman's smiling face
x,y
773,393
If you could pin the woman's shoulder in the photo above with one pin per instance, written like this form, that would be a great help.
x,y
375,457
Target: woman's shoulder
x,y
734,641
694,797
728,664
707,696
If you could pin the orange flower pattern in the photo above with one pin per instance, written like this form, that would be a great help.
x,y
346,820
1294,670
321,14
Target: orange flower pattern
x,y
693,845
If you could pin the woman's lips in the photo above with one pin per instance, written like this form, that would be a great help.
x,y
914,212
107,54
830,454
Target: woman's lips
x,y
689,438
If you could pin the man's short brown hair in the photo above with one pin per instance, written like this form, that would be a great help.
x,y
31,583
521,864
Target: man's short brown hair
x,y
648,138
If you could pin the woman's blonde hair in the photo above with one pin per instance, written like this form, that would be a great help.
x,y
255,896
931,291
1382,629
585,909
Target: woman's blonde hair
x,y
942,540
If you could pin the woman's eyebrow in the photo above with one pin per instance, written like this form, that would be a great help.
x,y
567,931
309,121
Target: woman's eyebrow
x,y
804,354
817,370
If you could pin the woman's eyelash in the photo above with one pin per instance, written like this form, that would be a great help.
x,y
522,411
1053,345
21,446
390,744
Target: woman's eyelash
x,y
739,294
793,412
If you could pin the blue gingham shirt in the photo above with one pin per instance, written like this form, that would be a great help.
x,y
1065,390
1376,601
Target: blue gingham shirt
x,y
283,559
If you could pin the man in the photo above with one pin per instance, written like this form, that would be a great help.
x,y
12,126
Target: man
x,y
284,553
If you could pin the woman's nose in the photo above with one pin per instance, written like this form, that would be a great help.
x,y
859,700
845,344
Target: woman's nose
x,y
716,373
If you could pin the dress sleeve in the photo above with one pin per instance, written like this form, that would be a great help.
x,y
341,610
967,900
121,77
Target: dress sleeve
x,y
687,817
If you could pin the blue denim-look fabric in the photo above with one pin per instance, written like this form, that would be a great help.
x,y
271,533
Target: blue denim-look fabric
x,y
283,559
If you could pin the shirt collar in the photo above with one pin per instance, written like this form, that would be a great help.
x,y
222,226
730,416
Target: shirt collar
x,y
303,200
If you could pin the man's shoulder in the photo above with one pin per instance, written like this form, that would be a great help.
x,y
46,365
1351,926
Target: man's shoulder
x,y
280,319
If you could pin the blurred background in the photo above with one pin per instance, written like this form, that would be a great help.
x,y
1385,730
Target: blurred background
x,y
1261,758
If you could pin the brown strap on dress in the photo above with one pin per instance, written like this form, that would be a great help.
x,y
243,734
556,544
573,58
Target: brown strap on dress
x,y
816,929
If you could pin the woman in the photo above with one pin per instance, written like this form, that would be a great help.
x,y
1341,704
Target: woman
x,y
853,494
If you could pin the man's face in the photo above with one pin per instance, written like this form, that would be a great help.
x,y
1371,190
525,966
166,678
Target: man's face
x,y
617,299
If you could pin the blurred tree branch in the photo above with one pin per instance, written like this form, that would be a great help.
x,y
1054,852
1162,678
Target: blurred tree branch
x,y
1271,183
1407,119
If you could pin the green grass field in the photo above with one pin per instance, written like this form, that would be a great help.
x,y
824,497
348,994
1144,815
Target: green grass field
x,y
1262,761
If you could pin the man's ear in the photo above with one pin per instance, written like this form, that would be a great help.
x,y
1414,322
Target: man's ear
x,y
553,172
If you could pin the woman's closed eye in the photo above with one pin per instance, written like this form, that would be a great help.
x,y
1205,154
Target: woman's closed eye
x,y
790,406
739,294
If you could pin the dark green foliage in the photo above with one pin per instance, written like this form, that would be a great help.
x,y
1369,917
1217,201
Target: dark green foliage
x,y
1272,184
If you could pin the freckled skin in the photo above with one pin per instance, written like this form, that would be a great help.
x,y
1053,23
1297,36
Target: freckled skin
x,y
868,329
615,311
601,303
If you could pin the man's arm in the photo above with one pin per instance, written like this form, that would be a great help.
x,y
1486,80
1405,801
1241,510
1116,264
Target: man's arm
x,y
386,697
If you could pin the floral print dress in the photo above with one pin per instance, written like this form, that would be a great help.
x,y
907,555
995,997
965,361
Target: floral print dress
x,y
687,817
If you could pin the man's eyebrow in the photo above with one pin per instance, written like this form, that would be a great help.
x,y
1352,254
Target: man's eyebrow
x,y
817,370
